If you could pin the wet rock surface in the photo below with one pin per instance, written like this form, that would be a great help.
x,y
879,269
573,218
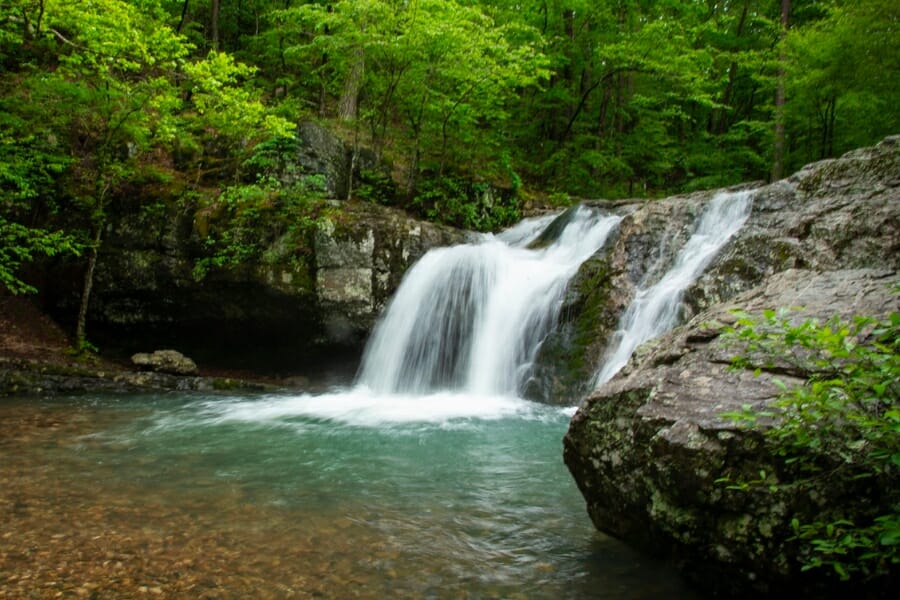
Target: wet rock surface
x,y
647,448
835,214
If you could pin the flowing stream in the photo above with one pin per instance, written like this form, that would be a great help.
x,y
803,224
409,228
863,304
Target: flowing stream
x,y
655,308
430,477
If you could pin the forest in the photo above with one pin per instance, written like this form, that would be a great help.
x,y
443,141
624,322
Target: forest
x,y
549,98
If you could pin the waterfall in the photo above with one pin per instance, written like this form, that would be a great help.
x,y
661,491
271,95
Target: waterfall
x,y
655,309
471,318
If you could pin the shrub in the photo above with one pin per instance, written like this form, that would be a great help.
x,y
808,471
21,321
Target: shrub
x,y
842,424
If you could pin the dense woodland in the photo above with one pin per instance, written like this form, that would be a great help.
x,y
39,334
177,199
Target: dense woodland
x,y
612,98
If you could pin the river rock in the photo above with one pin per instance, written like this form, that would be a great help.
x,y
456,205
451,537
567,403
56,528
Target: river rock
x,y
647,448
165,361
833,214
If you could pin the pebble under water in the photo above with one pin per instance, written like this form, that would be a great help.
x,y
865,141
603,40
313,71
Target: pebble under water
x,y
339,495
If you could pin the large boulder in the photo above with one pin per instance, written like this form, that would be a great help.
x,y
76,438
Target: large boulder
x,y
647,448
840,213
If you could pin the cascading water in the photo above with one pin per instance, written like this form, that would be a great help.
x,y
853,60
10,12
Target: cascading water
x,y
471,317
654,309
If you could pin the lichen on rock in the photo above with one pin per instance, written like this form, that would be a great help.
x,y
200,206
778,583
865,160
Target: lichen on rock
x,y
649,448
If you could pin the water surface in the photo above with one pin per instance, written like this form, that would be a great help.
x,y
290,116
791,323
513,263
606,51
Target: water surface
x,y
338,495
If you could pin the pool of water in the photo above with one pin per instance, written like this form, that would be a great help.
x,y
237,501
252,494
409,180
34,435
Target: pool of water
x,y
339,495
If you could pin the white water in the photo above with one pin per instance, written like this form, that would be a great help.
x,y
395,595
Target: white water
x,y
655,309
471,318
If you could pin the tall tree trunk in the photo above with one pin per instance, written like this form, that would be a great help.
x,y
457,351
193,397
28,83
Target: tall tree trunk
x,y
778,149
721,125
347,107
184,11
80,325
215,25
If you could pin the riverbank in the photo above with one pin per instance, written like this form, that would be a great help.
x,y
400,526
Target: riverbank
x,y
36,359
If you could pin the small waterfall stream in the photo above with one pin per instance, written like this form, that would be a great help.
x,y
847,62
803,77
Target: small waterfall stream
x,y
471,318
654,309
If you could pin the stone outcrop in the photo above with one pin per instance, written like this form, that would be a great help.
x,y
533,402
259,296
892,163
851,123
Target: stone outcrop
x,y
841,213
321,152
300,299
165,361
647,448
360,259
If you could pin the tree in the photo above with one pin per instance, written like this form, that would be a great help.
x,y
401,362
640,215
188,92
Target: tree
x,y
778,154
839,67
440,69
114,95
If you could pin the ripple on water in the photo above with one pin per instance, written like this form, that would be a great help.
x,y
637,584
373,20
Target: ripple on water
x,y
278,496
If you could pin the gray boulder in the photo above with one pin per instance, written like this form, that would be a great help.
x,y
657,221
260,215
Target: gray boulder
x,y
171,362
647,448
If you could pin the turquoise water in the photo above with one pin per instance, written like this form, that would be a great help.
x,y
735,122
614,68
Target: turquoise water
x,y
337,495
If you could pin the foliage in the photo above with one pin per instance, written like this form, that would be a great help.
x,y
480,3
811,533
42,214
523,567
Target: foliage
x,y
460,203
249,218
20,244
843,423
843,95
588,98
28,166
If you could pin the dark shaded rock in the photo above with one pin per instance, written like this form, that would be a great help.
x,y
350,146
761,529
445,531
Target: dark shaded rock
x,y
301,300
165,361
40,378
647,448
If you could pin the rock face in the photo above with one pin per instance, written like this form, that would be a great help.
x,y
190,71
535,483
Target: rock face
x,y
299,300
165,361
321,152
360,259
647,448
841,213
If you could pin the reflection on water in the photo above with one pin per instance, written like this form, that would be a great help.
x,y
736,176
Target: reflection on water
x,y
278,497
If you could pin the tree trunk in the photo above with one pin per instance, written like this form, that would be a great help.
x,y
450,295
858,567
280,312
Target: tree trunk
x,y
215,25
184,11
778,149
721,125
350,95
80,326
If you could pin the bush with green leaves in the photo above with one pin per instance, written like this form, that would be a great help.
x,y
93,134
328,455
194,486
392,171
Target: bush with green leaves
x,y
841,425
251,217
462,203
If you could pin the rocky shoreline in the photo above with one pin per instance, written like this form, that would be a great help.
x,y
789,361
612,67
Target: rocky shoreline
x,y
35,360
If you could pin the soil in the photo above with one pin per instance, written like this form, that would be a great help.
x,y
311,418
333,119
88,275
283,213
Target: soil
x,y
26,333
